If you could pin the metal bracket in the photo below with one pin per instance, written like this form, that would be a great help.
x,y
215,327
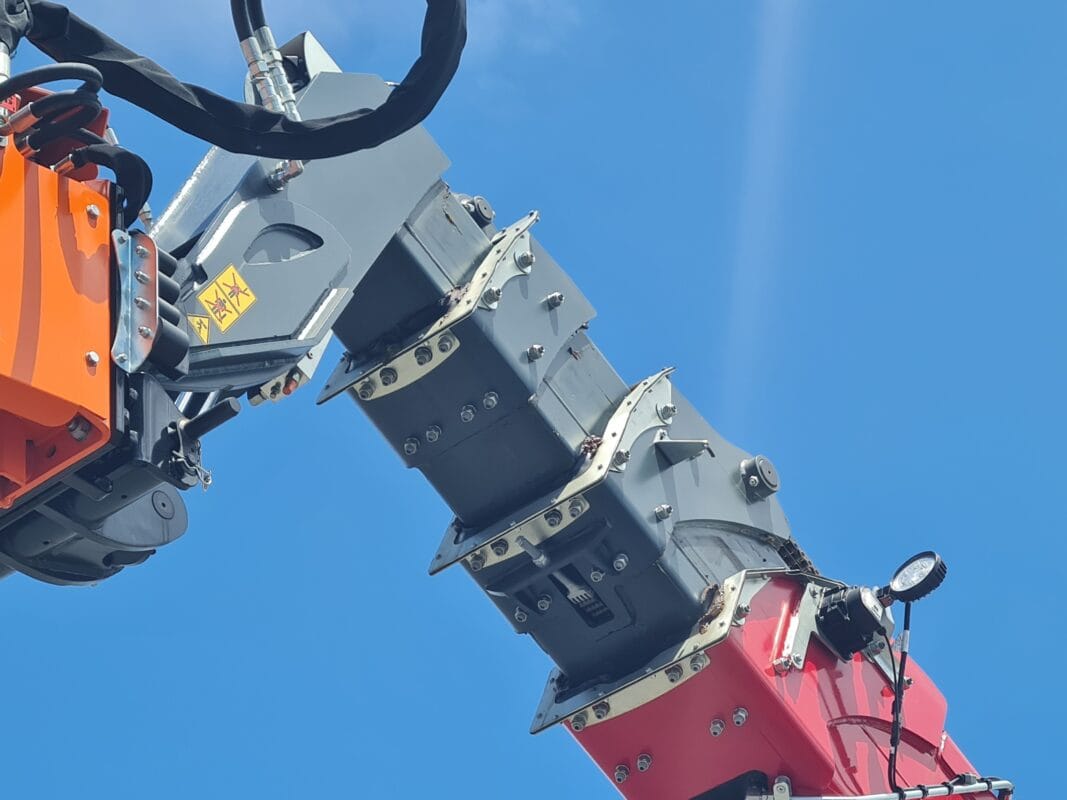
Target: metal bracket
x,y
665,672
138,271
288,382
419,357
633,416
675,451
802,627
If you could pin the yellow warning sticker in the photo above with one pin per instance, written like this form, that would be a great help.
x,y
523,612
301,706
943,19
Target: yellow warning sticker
x,y
201,327
227,298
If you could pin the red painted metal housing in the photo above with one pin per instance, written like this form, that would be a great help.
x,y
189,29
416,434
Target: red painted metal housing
x,y
825,726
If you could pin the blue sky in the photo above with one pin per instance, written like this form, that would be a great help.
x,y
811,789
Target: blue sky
x,y
842,222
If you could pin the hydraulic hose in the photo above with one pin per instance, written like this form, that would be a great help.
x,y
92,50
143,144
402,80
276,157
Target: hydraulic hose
x,y
90,77
255,14
241,19
243,128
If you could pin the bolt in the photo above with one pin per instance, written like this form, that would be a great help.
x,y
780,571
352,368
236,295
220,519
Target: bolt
x,y
525,259
698,662
145,331
141,251
141,302
93,211
554,518
601,709
521,616
122,358
621,562
740,716
535,351
667,411
575,509
388,376
121,238
664,512
477,561
492,295
423,355
674,673
499,547
782,665
411,446
141,276
783,788
366,390
446,343
596,576
467,413
798,660
578,722
622,772
644,761
490,400
555,300
742,611
717,728
753,481
92,358
621,458
78,428
544,602
433,433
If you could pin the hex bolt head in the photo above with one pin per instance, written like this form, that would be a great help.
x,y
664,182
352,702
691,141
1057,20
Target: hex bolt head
x,y
555,300
78,428
141,276
525,259
433,433
145,332
366,390
740,716
141,251
423,355
663,512
596,576
667,411
141,302
121,237
698,662
753,481
798,660
92,358
490,401
575,508
621,458
602,709
622,772
411,446
466,414
554,518
644,762
92,211
742,611
446,343
388,376
621,562
673,673
578,722
521,616
535,351
500,547
492,295
477,561
717,728
544,602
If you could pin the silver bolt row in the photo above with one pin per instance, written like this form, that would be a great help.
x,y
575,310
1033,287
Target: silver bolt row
x,y
718,727
433,433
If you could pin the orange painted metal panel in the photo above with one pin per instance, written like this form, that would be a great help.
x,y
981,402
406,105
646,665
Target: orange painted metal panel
x,y
55,265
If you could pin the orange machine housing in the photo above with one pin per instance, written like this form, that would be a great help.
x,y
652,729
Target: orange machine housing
x,y
55,323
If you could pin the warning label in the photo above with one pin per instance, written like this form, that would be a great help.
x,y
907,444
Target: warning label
x,y
227,298
201,327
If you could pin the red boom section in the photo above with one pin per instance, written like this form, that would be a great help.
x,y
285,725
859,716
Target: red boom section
x,y
825,726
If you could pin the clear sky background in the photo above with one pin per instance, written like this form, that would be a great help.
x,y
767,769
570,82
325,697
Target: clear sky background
x,y
842,222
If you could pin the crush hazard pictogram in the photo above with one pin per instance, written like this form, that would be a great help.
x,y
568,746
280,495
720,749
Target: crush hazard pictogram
x,y
226,299
201,327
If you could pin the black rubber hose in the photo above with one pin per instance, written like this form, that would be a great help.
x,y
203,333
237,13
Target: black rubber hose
x,y
242,128
91,78
131,174
63,124
241,21
255,14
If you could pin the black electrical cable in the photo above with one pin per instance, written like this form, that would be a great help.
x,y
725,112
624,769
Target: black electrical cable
x,y
90,77
241,20
243,128
898,702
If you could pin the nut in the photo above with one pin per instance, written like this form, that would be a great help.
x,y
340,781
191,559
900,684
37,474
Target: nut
x,y
717,727
535,351
411,446
620,562
466,414
602,709
423,355
490,401
433,433
644,761
388,376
